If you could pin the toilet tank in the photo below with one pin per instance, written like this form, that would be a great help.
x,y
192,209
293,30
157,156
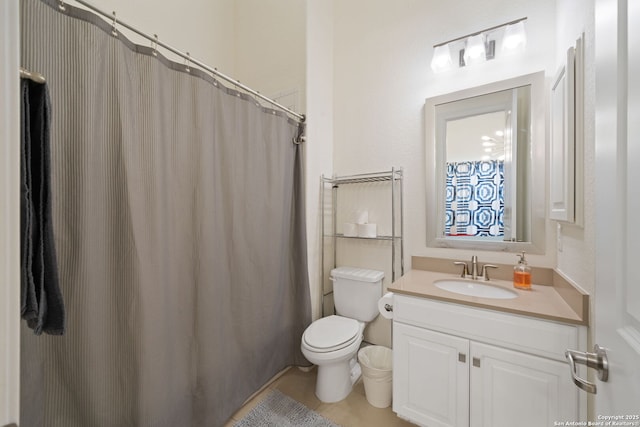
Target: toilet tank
x,y
356,292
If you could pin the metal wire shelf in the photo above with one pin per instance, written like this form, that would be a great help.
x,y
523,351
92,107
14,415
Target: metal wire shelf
x,y
395,176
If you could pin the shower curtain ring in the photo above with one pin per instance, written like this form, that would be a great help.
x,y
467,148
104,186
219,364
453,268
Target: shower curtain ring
x,y
154,45
61,5
214,75
114,30
256,99
186,63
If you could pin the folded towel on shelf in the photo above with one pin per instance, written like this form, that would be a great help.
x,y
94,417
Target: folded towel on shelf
x,y
42,305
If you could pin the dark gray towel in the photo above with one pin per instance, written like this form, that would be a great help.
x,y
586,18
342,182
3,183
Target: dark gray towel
x,y
41,305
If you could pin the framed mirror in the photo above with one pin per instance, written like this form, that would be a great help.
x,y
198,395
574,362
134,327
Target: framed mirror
x,y
485,167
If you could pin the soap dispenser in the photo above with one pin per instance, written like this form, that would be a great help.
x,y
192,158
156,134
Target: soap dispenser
x,y
522,274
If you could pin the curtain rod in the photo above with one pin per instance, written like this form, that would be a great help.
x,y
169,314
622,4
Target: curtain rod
x,y
155,41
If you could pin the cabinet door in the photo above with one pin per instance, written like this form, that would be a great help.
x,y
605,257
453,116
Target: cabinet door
x,y
431,377
509,388
562,142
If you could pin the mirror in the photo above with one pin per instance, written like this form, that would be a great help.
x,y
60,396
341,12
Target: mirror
x,y
486,167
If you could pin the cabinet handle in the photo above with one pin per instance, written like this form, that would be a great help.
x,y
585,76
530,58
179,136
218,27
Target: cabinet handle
x,y
597,360
462,357
476,362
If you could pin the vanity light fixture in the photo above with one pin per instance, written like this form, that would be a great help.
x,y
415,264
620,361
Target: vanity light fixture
x,y
441,58
515,37
475,51
479,46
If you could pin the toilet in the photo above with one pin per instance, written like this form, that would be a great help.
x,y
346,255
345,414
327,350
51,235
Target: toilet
x,y
332,342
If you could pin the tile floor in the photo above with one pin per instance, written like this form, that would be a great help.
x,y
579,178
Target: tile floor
x,y
354,411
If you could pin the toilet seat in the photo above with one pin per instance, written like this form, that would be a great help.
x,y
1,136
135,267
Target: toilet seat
x,y
331,333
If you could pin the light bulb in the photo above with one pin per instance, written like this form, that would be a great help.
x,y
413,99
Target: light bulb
x,y
441,60
515,37
474,51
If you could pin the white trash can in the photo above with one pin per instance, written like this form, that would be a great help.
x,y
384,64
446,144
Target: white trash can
x,y
376,362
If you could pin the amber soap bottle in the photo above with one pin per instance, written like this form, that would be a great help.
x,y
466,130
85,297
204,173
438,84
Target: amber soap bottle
x,y
522,274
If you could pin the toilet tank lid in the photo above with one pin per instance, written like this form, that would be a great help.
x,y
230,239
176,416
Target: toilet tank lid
x,y
354,273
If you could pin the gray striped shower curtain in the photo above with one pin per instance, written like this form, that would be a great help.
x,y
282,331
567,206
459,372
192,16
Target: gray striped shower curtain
x,y
179,230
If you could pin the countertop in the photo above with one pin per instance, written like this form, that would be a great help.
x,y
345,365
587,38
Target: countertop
x,y
542,301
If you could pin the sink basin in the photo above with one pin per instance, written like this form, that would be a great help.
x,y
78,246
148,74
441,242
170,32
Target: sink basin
x,y
475,289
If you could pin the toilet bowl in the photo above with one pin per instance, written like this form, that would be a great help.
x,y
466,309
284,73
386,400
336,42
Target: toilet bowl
x,y
332,343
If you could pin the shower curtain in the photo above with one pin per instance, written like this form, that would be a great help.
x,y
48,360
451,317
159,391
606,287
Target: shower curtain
x,y
179,228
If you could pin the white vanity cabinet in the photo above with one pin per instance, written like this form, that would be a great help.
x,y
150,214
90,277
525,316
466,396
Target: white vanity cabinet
x,y
430,381
455,365
513,388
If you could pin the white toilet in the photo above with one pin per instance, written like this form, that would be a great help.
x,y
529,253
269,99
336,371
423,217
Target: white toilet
x,y
332,342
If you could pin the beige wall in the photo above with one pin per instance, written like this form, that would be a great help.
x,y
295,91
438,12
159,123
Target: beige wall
x,y
270,47
204,28
319,146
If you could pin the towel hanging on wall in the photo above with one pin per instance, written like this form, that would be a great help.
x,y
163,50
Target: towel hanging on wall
x,y
41,301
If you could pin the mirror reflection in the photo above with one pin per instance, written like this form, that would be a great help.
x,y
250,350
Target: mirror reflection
x,y
486,143
474,203
481,172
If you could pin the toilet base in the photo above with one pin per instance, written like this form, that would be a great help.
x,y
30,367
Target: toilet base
x,y
335,381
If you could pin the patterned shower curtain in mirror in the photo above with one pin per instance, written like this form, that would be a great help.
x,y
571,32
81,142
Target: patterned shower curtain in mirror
x,y
179,227
474,204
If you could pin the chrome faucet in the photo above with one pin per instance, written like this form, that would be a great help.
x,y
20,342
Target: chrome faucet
x,y
475,271
474,267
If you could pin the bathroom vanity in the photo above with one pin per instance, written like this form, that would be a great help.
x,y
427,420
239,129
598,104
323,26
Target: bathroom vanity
x,y
463,360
